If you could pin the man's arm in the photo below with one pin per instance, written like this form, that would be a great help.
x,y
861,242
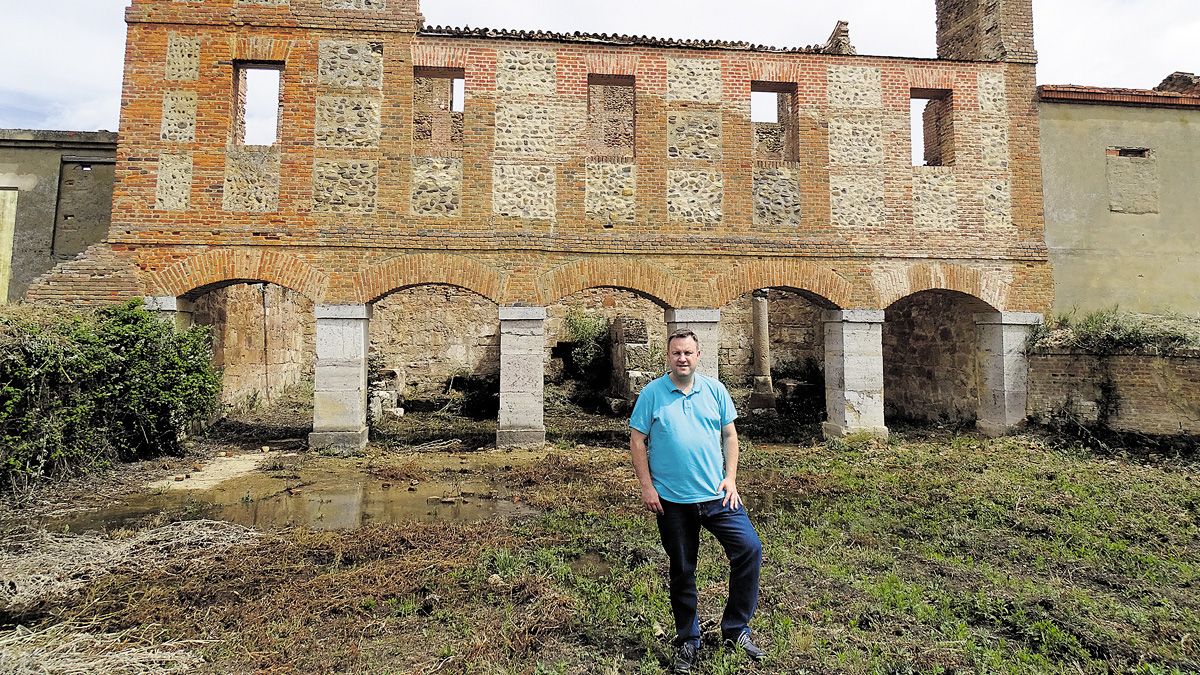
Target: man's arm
x,y
641,467
729,443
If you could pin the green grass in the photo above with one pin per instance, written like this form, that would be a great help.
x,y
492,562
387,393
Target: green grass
x,y
951,555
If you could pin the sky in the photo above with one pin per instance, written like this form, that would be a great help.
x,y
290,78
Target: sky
x,y
64,56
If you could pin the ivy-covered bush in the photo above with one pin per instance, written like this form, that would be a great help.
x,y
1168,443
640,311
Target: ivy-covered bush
x,y
81,388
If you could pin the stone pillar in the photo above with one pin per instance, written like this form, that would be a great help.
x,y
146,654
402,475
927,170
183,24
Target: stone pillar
x,y
763,395
1003,369
854,373
706,324
168,307
340,386
522,357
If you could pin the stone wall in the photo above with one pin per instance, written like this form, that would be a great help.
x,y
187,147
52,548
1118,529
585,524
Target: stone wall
x,y
430,333
795,331
1131,392
929,358
263,338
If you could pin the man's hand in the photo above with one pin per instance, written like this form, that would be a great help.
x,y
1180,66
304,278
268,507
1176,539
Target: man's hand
x,y
650,499
732,499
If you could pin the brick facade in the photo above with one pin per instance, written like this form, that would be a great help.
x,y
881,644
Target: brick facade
x,y
367,191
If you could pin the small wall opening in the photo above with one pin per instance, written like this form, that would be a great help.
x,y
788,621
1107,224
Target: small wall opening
x,y
932,122
439,102
612,113
258,102
773,114
263,341
930,359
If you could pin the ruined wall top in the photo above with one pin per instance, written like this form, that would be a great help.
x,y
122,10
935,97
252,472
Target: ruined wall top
x,y
374,15
986,30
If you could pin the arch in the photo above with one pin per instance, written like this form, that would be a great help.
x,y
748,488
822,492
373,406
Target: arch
x,y
198,274
987,285
400,272
784,273
648,280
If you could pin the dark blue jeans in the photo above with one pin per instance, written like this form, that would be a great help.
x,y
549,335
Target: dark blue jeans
x,y
679,526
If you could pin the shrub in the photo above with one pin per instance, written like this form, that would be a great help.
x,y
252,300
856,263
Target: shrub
x,y
79,388
589,334
1110,331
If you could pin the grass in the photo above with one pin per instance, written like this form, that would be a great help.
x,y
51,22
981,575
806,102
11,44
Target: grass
x,y
1113,330
952,554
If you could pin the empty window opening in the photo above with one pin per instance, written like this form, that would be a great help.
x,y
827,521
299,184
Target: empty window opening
x,y
932,127
1131,152
612,112
85,167
773,114
257,103
439,101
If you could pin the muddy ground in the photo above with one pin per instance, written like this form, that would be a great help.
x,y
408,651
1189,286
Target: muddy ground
x,y
931,553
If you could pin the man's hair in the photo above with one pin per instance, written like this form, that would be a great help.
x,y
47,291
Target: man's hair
x,y
682,333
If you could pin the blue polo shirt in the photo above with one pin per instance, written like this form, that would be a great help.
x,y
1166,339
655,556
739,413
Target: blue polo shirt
x,y
684,437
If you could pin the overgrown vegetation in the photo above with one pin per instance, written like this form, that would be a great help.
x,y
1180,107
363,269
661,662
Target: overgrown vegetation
x,y
589,337
84,388
1110,331
948,554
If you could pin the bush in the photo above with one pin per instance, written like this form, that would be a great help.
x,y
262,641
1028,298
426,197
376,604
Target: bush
x,y
589,335
79,388
1110,331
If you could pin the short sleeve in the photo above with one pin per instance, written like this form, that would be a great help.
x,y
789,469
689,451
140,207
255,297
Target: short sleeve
x,y
642,415
728,412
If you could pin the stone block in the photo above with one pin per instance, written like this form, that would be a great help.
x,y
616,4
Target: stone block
x,y
436,186
695,196
520,410
347,122
856,201
855,141
344,410
179,116
935,199
338,375
521,373
513,344
694,80
694,135
525,71
610,193
522,314
524,190
251,179
341,340
524,128
520,438
343,442
183,57
993,138
173,190
854,87
345,186
997,204
350,64
991,94
777,197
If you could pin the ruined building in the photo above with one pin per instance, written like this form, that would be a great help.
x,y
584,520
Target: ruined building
x,y
611,168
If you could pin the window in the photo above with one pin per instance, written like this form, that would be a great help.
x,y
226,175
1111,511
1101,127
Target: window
x,y
773,114
1133,182
438,105
257,103
932,127
612,109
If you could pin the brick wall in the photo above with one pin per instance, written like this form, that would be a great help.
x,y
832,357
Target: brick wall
x,y
1139,393
356,199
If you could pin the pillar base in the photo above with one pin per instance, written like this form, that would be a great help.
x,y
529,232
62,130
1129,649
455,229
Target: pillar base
x,y
993,429
760,400
520,438
831,430
341,442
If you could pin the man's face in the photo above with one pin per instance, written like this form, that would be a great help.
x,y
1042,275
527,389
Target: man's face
x,y
682,356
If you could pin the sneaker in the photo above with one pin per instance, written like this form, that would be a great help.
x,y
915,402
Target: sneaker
x,y
744,643
685,658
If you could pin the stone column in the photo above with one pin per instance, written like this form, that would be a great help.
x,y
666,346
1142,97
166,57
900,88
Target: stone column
x,y
340,386
522,367
854,373
171,308
1003,369
763,395
706,324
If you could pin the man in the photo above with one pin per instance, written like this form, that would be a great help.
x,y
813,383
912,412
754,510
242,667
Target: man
x,y
687,418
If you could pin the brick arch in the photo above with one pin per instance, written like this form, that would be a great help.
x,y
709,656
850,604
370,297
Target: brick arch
x,y
200,273
651,281
394,274
988,286
788,273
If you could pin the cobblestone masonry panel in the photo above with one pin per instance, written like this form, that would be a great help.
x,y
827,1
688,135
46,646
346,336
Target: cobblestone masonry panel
x,y
935,199
997,204
524,128
174,189
694,135
694,80
777,196
179,116
856,201
993,138
183,57
611,192
350,64
436,186
360,5
345,186
694,196
251,179
523,190
855,141
525,71
991,94
855,87
347,122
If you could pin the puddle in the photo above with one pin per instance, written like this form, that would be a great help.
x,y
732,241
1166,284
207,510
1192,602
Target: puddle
x,y
592,565
293,491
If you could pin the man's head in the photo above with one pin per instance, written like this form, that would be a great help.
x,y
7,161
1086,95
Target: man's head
x,y
683,353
